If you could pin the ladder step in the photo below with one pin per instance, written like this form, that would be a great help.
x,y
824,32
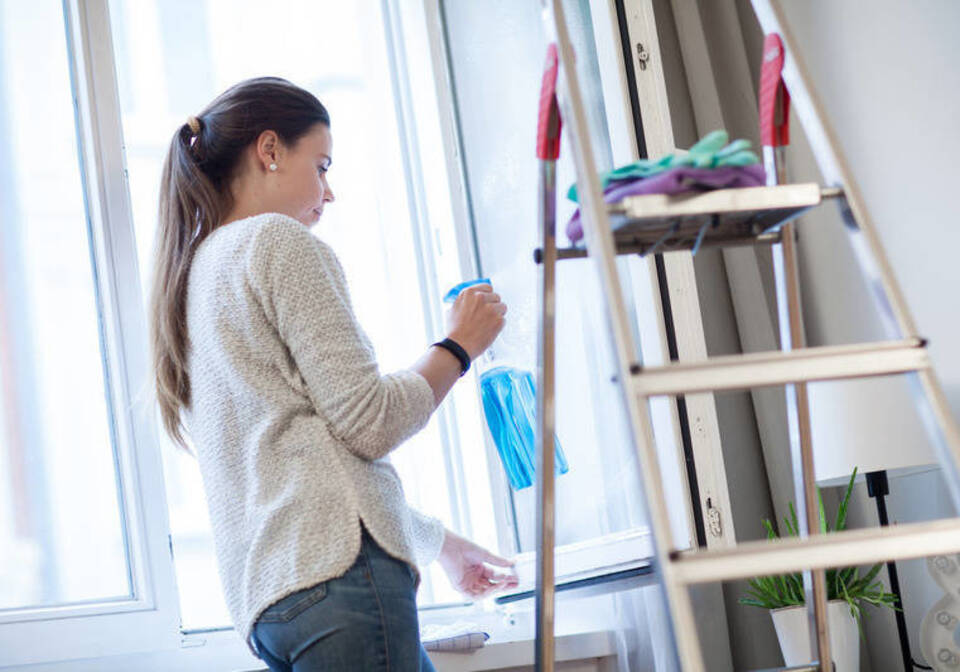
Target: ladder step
x,y
762,369
727,218
822,551
674,221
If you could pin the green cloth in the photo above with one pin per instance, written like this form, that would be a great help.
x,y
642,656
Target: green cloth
x,y
712,151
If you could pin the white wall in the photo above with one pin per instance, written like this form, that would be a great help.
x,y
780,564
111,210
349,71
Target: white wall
x,y
888,75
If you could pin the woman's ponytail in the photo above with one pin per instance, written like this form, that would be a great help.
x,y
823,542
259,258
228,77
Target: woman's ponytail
x,y
194,198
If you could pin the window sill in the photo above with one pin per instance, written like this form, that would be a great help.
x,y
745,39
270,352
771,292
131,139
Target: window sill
x,y
497,655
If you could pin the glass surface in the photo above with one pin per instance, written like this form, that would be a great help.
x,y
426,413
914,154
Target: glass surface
x,y
497,52
61,533
174,57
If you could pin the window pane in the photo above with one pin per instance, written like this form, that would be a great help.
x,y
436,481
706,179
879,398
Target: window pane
x,y
61,535
173,57
497,102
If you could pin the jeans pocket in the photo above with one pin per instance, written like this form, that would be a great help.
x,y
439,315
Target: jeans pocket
x,y
293,605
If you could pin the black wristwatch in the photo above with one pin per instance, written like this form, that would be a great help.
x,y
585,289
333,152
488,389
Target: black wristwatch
x,y
457,350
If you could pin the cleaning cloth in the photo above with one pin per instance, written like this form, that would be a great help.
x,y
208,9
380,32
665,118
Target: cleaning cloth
x,y
711,151
676,181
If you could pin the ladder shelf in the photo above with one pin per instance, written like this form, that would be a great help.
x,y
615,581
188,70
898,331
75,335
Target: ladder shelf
x,y
719,218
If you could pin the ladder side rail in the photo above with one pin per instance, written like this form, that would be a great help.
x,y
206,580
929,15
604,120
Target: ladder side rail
x,y
548,150
774,114
545,426
600,246
801,447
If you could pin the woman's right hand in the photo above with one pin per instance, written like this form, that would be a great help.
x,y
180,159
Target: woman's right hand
x,y
475,320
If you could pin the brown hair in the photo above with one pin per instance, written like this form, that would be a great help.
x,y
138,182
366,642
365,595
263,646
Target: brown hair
x,y
194,198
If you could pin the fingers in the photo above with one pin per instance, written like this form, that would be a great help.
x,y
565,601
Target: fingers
x,y
495,302
472,581
483,288
478,580
500,578
479,293
495,582
497,560
493,576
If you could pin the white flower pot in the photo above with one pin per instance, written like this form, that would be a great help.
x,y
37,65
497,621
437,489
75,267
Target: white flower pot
x,y
793,632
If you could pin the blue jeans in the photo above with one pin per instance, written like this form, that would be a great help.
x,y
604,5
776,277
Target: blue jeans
x,y
365,620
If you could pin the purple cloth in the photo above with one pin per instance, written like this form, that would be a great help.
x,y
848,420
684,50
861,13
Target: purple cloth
x,y
676,181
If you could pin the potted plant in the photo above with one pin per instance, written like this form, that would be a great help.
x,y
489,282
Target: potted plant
x,y
847,591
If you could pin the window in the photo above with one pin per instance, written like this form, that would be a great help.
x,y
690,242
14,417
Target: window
x,y
600,522
62,539
89,478
138,69
596,497
105,525
173,58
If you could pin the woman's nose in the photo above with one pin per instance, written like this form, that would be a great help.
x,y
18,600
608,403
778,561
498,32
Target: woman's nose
x,y
328,196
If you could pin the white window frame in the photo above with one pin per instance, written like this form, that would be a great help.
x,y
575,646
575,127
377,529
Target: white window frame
x,y
133,631
145,632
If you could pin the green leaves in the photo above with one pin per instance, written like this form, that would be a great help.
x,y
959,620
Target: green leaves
x,y
842,509
846,583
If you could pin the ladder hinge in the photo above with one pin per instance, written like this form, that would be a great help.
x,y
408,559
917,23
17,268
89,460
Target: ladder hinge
x,y
714,520
643,56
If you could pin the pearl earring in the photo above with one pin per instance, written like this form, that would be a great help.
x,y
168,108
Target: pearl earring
x,y
273,167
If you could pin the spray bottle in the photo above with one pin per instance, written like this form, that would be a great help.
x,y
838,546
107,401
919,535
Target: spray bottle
x,y
509,395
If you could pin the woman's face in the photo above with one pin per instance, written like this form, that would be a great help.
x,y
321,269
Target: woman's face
x,y
300,187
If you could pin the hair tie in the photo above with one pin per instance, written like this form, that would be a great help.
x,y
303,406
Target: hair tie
x,y
194,124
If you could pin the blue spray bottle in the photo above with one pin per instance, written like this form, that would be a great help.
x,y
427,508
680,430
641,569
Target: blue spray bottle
x,y
509,405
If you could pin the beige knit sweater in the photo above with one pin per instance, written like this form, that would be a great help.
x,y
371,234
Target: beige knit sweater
x,y
291,419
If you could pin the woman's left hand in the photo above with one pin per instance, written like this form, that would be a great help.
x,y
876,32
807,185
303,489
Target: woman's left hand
x,y
466,565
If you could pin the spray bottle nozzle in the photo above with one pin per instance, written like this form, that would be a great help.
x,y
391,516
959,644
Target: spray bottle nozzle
x,y
452,295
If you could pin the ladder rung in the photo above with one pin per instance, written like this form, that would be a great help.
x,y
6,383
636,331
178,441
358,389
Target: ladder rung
x,y
822,551
762,369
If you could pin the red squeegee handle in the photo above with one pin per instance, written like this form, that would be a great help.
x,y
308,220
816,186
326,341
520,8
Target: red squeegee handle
x,y
548,125
774,97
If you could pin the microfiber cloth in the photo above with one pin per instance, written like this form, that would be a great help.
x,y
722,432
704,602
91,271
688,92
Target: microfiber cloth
x,y
463,637
676,181
711,151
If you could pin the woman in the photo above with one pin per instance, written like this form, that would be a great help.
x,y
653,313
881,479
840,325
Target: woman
x,y
255,341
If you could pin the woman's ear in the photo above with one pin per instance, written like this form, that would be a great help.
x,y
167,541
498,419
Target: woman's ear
x,y
268,149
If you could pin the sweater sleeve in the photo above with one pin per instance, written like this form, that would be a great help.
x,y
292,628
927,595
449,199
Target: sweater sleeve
x,y
428,535
301,288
